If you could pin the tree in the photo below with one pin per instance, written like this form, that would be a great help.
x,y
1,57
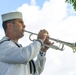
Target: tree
x,y
72,2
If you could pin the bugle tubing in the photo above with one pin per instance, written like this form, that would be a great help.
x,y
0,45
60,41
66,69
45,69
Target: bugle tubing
x,y
62,43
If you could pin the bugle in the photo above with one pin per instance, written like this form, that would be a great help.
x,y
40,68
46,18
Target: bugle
x,y
62,43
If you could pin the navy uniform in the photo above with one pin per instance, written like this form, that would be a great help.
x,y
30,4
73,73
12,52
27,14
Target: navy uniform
x,y
18,60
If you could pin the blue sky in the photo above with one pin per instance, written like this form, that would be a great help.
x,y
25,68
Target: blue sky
x,y
56,16
11,5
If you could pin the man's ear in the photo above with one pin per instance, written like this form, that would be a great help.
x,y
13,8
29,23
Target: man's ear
x,y
9,25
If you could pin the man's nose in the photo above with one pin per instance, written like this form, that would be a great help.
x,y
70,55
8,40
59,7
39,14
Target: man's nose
x,y
24,25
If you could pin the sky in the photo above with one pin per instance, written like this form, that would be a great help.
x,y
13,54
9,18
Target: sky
x,y
56,16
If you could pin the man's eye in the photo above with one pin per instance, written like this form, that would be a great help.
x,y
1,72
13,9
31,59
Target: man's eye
x,y
20,21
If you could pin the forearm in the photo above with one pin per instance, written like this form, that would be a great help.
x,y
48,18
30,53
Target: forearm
x,y
22,55
40,62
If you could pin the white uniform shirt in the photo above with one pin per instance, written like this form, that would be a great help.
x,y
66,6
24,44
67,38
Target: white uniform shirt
x,y
14,60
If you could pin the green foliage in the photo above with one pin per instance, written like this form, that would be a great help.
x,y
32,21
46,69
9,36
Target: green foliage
x,y
72,2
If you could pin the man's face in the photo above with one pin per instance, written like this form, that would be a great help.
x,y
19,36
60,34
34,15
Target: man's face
x,y
18,28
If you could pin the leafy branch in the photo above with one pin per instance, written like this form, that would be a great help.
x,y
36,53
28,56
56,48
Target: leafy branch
x,y
72,2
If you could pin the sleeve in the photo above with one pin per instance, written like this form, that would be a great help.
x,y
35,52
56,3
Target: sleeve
x,y
40,62
10,53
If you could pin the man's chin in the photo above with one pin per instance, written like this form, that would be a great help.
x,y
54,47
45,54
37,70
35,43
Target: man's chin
x,y
21,35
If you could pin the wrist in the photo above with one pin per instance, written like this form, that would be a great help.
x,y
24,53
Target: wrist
x,y
43,50
42,53
41,42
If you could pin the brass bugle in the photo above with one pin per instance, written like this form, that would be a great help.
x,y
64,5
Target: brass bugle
x,y
60,47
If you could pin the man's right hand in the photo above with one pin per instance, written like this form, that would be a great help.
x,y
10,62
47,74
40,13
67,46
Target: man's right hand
x,y
42,35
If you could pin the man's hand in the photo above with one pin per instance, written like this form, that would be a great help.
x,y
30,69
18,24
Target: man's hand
x,y
42,35
47,42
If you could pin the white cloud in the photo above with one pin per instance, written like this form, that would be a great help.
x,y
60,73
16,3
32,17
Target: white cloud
x,y
54,17
49,16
